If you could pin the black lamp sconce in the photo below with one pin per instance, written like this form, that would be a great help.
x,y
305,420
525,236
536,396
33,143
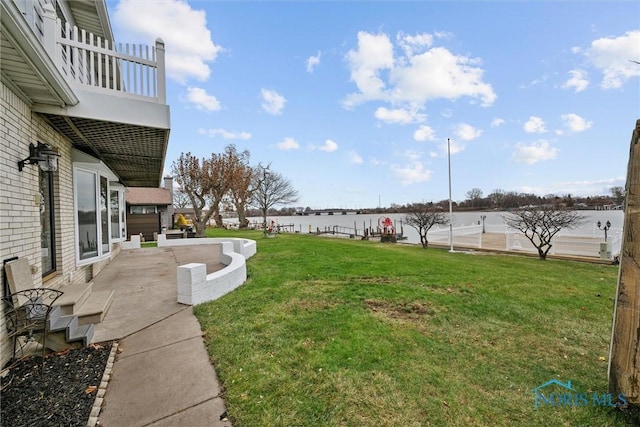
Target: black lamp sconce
x,y
42,155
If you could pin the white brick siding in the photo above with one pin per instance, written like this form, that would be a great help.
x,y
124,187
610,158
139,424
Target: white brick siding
x,y
19,208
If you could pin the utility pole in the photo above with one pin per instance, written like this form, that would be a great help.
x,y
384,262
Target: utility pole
x,y
624,353
450,202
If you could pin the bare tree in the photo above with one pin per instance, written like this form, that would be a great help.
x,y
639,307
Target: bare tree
x,y
618,194
474,195
270,189
240,176
193,177
423,217
540,224
180,199
497,197
218,175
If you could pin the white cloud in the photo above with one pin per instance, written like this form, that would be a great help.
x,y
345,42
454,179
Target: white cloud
x,y
355,158
438,73
418,73
189,47
288,144
399,115
374,54
225,134
453,147
578,81
467,132
412,173
424,133
575,123
313,62
328,146
410,44
202,100
612,55
535,125
272,102
497,122
533,153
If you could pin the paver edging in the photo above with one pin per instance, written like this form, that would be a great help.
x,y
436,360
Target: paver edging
x,y
102,389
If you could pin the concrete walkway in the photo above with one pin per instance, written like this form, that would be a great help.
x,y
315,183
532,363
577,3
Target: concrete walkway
x,y
162,375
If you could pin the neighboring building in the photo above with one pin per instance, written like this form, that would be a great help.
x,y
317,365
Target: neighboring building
x,y
102,111
149,210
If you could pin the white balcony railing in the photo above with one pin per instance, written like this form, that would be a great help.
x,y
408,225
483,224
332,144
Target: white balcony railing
x,y
130,70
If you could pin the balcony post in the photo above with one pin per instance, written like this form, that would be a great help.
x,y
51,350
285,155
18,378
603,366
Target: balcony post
x,y
162,83
49,23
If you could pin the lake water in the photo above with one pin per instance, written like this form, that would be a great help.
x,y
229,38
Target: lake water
x,y
493,223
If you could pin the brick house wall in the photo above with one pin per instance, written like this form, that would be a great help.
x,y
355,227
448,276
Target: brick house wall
x,y
20,229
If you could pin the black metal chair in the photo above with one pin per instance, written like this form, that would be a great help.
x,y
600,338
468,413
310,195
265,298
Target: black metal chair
x,y
27,313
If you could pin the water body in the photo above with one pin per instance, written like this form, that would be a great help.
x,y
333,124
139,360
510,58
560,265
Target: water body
x,y
493,223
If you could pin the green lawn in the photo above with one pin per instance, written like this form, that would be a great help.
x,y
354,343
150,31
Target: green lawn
x,y
353,333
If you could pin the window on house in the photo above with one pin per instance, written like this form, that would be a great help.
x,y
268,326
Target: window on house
x,y
47,224
86,213
99,214
116,203
139,210
104,214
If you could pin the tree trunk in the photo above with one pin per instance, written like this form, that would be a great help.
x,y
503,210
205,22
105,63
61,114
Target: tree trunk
x,y
542,254
218,218
624,355
243,222
201,226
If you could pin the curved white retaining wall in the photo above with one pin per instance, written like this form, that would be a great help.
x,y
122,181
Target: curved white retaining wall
x,y
195,286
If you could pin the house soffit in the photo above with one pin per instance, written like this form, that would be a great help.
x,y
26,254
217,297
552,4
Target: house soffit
x,y
92,16
134,153
26,68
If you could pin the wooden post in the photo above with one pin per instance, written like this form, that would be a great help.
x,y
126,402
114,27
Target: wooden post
x,y
624,354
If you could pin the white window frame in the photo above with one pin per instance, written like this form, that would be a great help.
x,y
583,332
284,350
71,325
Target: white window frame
x,y
122,224
98,170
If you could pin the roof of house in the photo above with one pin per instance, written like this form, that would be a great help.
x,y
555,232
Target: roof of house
x,y
148,196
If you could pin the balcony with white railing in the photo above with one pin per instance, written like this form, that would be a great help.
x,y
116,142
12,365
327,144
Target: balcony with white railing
x,y
113,82
108,99
131,70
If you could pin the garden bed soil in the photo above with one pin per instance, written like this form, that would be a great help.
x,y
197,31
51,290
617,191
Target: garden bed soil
x,y
57,391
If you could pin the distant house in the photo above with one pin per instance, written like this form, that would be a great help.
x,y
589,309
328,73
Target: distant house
x,y
80,121
149,210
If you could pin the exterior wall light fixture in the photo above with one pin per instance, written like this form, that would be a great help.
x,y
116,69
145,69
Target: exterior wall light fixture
x,y
42,155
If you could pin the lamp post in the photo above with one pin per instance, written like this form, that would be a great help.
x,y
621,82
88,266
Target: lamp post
x,y
450,203
606,228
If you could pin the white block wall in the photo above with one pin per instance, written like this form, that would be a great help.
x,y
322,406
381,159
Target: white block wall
x,y
195,286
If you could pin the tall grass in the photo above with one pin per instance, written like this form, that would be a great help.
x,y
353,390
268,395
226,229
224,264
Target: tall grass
x,y
346,332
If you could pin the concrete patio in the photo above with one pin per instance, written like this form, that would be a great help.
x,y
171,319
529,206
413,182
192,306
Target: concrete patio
x,y
162,375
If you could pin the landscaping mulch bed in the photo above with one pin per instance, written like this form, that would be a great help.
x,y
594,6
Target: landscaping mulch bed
x,y
59,392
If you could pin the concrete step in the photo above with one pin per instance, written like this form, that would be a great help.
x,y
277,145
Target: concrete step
x,y
74,296
61,323
57,341
94,308
64,332
82,334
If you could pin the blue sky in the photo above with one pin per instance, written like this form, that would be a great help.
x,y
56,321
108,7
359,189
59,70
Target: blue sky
x,y
353,101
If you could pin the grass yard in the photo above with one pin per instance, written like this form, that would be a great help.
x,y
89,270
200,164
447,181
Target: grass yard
x,y
329,332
